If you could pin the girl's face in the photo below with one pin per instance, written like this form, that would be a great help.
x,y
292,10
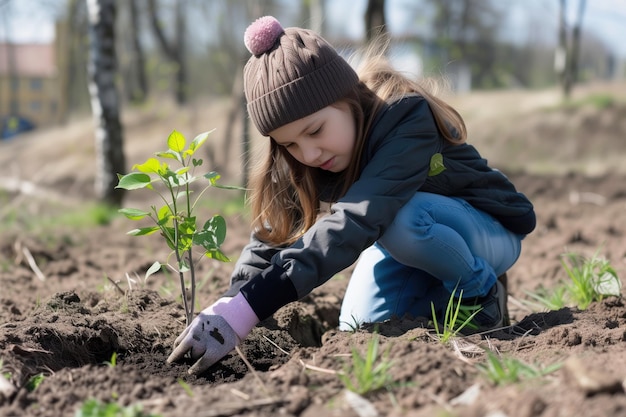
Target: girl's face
x,y
324,139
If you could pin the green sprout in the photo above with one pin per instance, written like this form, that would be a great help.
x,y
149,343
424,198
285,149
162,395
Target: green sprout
x,y
3,372
96,408
367,373
185,386
591,279
544,298
354,324
175,219
502,370
112,363
34,381
456,318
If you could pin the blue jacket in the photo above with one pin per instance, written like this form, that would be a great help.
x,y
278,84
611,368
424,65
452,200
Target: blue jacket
x,y
404,153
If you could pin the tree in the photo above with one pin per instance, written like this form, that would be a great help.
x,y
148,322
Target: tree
x,y
102,68
374,18
174,50
566,59
139,89
466,35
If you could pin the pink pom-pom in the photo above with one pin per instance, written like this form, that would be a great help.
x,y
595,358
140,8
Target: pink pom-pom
x,y
262,34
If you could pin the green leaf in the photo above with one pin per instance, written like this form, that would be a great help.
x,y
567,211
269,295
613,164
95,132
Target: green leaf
x,y
195,144
183,266
196,162
212,177
211,237
182,171
33,383
144,231
187,226
176,141
152,165
171,178
169,233
217,255
436,165
217,226
134,214
169,154
134,180
229,187
206,239
199,140
164,215
154,268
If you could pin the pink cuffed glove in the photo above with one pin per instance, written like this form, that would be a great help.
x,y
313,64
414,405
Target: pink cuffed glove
x,y
215,332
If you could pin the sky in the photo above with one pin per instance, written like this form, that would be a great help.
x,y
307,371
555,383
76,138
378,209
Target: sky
x,y
605,18
31,22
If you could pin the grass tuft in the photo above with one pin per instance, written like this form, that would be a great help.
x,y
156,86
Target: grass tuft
x,y
503,370
456,318
367,373
590,280
96,408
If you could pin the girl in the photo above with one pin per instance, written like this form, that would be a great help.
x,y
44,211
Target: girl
x,y
424,212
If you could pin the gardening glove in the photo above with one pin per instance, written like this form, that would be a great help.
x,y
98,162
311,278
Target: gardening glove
x,y
215,332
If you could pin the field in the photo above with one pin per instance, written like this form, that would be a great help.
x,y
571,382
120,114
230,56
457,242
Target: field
x,y
70,313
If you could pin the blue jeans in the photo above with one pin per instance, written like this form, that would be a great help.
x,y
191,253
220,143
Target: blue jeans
x,y
434,245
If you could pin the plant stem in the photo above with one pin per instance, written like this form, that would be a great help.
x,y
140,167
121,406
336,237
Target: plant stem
x,y
181,275
190,254
193,283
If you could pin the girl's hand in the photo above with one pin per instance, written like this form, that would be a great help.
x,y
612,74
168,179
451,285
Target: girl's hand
x,y
215,332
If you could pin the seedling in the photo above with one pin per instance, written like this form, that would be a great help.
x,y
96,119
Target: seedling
x,y
113,362
176,219
6,374
456,318
367,373
95,408
502,370
34,381
545,299
185,386
354,324
591,279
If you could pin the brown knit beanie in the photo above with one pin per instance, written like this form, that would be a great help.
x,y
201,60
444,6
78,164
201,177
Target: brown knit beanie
x,y
291,74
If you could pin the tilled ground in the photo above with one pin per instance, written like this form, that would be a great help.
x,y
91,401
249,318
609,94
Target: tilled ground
x,y
91,339
69,326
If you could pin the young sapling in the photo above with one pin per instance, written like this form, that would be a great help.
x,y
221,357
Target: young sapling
x,y
176,219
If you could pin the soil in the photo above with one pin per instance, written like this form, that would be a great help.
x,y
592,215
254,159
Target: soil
x,y
79,314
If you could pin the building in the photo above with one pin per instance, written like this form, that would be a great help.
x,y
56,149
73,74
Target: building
x,y
32,85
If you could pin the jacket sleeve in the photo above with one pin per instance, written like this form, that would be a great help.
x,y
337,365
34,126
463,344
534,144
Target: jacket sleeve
x,y
397,161
255,258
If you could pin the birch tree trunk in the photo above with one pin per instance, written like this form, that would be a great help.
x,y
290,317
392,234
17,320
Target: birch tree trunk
x,y
102,68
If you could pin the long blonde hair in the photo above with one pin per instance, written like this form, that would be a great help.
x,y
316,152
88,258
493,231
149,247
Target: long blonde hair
x,y
284,197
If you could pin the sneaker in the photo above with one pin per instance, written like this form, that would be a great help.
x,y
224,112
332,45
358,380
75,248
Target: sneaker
x,y
493,313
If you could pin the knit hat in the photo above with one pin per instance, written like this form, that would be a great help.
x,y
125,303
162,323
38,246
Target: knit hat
x,y
291,74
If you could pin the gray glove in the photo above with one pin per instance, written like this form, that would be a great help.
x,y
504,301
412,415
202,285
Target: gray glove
x,y
215,332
